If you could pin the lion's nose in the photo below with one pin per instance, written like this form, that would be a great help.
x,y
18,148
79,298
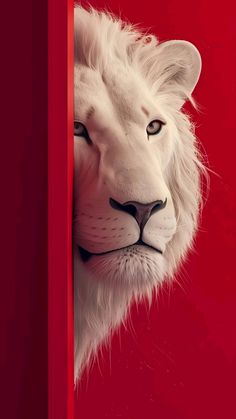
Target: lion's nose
x,y
141,212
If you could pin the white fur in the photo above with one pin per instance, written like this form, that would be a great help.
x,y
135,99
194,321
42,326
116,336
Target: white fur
x,y
119,71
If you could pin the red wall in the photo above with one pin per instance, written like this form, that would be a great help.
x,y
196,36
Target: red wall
x,y
178,361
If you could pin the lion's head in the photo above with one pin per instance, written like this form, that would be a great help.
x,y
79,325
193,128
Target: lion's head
x,y
137,170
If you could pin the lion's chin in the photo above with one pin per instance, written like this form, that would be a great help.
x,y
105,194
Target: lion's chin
x,y
133,264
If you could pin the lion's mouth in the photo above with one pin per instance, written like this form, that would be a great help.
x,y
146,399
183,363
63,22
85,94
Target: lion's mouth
x,y
86,255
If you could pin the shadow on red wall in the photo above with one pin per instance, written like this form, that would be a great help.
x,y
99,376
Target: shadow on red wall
x,y
178,360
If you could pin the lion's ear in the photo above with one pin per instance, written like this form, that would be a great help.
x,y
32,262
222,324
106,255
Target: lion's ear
x,y
179,67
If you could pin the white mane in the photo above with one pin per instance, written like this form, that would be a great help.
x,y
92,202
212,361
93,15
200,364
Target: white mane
x,y
102,41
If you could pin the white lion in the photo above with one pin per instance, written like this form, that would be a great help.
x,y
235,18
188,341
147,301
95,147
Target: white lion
x,y
137,194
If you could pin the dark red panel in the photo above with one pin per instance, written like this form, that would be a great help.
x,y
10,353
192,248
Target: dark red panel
x,y
178,360
60,185
23,177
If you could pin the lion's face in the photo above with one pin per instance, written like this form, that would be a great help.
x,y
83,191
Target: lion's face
x,y
135,166
124,212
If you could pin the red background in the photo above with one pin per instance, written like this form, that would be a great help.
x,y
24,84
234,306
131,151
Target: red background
x,y
178,360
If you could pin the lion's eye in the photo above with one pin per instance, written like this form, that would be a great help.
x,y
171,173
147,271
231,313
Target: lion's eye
x,y
154,127
81,131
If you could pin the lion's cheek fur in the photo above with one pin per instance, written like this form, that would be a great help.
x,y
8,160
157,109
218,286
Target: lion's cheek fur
x,y
103,296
